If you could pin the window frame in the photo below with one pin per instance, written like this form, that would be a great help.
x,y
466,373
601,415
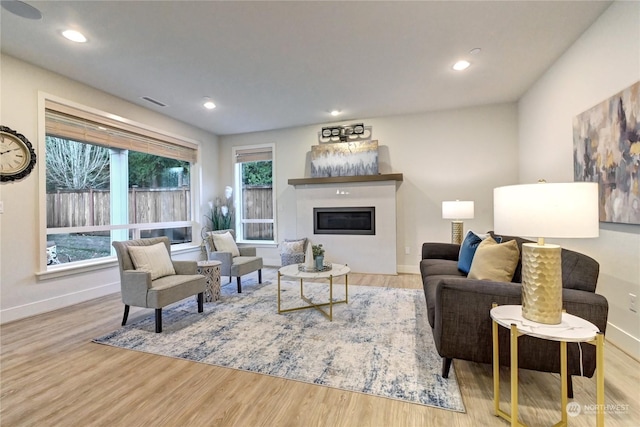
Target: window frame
x,y
46,271
237,196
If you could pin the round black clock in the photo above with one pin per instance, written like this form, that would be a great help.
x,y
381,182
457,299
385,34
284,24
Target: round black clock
x,y
17,157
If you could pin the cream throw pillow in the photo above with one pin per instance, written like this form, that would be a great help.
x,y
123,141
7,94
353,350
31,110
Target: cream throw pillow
x,y
289,247
495,261
224,242
153,259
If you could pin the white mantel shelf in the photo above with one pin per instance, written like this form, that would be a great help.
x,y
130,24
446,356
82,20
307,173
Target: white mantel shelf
x,y
344,179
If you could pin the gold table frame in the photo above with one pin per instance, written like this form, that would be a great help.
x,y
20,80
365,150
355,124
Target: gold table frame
x,y
593,337
337,270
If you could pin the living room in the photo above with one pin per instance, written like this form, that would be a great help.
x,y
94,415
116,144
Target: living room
x,y
445,154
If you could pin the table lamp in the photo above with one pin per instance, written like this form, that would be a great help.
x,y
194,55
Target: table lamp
x,y
560,210
457,210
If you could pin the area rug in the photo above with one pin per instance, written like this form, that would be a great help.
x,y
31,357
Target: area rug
x,y
379,343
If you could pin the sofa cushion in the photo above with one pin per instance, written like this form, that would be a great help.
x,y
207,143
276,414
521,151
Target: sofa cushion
x,y
495,261
153,259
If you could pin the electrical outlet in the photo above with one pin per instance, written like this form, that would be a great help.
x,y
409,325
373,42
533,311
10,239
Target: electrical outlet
x,y
633,306
1,207
407,250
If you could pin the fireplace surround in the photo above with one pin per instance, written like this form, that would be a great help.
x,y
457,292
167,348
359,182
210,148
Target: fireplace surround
x,y
363,253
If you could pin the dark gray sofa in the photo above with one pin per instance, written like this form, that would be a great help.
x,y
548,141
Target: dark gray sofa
x,y
458,311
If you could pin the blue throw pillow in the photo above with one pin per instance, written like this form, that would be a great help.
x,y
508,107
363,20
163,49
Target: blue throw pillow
x,y
467,251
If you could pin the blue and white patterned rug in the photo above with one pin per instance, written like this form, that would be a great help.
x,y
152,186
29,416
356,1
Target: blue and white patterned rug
x,y
380,343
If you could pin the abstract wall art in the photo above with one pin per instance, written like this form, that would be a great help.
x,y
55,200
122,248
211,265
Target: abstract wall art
x,y
606,150
344,159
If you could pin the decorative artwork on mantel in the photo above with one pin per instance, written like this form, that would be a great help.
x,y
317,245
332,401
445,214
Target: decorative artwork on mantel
x,y
344,159
606,150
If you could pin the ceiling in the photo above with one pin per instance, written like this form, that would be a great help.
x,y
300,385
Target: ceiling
x,y
270,65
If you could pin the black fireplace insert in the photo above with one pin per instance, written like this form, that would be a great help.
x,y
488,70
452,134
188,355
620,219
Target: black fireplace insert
x,y
349,220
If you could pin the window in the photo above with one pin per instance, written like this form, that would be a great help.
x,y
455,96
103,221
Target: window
x,y
255,200
108,180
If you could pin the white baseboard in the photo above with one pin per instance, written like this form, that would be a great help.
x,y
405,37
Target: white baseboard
x,y
623,340
38,307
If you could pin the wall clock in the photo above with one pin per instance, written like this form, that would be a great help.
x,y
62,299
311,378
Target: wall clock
x,y
17,157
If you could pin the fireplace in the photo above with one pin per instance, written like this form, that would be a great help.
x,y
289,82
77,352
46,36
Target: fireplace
x,y
345,220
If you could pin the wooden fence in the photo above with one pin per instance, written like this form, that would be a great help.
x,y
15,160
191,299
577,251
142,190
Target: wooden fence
x,y
257,203
79,208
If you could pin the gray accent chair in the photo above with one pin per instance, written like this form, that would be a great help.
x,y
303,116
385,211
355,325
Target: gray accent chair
x,y
236,266
458,312
139,290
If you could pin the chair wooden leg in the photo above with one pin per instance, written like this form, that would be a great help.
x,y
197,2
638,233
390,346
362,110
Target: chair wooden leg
x,y
446,365
239,285
158,320
200,302
126,315
260,276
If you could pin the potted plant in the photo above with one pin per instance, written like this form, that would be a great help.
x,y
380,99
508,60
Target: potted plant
x,y
318,255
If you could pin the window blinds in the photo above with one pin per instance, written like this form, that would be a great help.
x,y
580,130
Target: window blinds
x,y
258,154
72,123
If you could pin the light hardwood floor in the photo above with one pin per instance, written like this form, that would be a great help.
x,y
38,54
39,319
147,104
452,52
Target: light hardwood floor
x,y
53,375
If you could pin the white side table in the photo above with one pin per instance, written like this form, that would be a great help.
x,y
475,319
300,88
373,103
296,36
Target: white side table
x,y
294,272
571,329
211,272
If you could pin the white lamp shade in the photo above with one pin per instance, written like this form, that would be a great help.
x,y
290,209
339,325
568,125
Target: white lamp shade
x,y
457,209
547,210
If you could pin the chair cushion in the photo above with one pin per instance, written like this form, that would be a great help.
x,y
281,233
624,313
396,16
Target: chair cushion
x,y
153,259
495,261
242,265
224,242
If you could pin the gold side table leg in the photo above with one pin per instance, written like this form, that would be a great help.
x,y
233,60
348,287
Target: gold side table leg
x,y
496,368
346,289
514,375
331,298
600,379
563,379
279,275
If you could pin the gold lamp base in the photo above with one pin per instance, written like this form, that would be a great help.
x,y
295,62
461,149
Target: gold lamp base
x,y
456,232
542,283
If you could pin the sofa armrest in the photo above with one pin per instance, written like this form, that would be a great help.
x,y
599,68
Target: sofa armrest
x,y
185,267
247,250
448,251
133,287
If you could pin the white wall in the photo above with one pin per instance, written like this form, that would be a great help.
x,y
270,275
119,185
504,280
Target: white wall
x,y
21,293
604,61
445,155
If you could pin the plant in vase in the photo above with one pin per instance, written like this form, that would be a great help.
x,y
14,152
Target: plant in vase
x,y
318,255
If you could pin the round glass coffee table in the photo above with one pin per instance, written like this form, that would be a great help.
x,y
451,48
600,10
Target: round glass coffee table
x,y
297,271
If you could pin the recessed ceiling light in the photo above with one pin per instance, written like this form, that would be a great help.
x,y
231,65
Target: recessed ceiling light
x,y
74,36
335,113
475,51
21,9
208,104
461,65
